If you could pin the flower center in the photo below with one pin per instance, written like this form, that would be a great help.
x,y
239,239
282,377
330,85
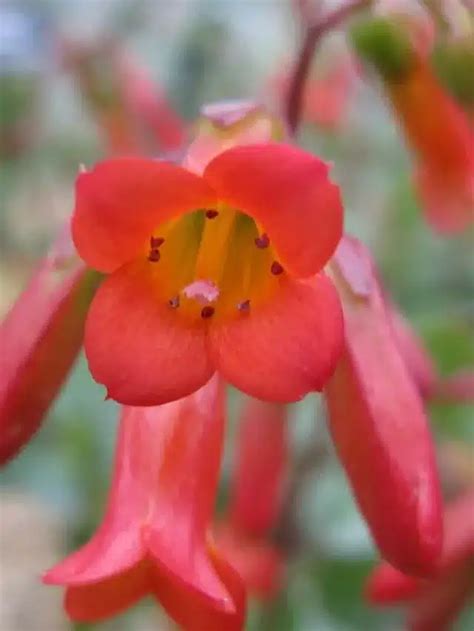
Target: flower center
x,y
213,263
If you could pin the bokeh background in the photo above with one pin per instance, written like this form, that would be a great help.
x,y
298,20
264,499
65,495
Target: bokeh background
x,y
199,51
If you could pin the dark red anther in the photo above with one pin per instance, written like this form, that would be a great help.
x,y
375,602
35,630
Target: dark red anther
x,y
155,242
262,241
174,302
154,255
244,306
212,213
207,312
276,268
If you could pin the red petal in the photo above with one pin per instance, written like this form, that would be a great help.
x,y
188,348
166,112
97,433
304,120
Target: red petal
x,y
288,192
193,443
195,610
447,199
258,562
459,529
121,202
440,603
195,587
118,544
97,601
382,436
39,340
386,585
150,107
416,357
140,348
260,467
445,178
285,348
434,604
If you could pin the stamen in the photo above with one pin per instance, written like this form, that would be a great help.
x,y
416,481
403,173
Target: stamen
x,y
174,302
212,213
262,241
154,255
244,306
276,269
155,242
207,312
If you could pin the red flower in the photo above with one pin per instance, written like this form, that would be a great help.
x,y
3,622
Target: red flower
x,y
327,97
259,479
132,112
378,423
260,467
445,176
39,340
149,107
258,561
434,604
153,539
435,128
219,272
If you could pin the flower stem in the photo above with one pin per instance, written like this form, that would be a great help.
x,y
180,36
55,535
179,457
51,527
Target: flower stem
x,y
313,36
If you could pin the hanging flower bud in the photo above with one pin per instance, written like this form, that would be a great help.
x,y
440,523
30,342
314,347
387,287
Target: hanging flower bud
x,y
40,339
378,423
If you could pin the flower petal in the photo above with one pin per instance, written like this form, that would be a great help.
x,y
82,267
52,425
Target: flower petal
x,y
118,544
438,606
189,581
97,601
260,564
39,340
417,359
193,443
284,348
260,467
447,198
386,585
139,347
288,192
154,534
194,610
381,433
120,203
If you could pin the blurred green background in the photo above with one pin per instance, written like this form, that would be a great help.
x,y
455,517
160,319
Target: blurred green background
x,y
200,51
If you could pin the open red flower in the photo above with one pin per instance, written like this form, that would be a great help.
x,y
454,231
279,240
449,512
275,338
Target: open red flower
x,y
214,272
153,539
435,603
378,423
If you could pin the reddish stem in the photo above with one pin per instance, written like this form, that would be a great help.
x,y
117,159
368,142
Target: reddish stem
x,y
314,34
